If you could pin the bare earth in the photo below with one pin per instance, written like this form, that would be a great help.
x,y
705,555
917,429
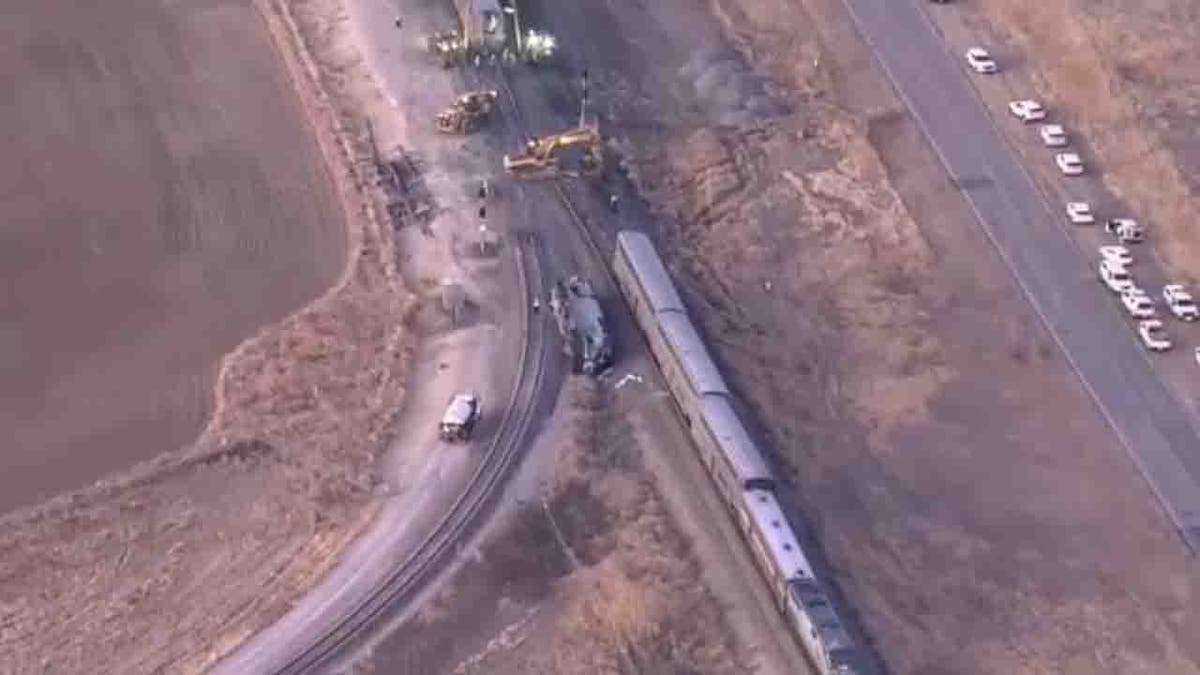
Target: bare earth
x,y
168,568
162,199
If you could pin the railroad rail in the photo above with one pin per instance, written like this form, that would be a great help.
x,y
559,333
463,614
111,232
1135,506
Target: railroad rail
x,y
559,190
441,544
464,515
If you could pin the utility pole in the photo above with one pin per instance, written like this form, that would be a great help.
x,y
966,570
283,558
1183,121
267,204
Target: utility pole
x,y
584,100
512,11
483,230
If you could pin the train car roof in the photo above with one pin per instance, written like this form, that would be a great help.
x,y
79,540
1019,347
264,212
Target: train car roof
x,y
701,372
735,442
807,594
777,534
651,272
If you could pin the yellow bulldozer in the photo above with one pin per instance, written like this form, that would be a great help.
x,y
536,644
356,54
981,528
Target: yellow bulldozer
x,y
466,113
542,157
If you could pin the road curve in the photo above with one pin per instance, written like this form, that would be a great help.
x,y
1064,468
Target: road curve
x,y
1160,435
327,626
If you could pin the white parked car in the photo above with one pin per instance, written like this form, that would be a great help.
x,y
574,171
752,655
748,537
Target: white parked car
x,y
1153,335
1053,135
1080,213
1126,230
1118,254
1069,163
1137,303
1115,276
1196,352
1027,110
1180,301
980,60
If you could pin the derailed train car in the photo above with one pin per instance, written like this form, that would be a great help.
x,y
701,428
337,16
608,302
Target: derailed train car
x,y
729,453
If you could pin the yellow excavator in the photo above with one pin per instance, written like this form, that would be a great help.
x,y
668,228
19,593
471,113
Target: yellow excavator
x,y
541,158
467,112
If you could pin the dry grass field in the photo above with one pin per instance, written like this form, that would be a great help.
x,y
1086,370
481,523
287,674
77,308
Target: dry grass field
x,y
162,199
608,585
978,512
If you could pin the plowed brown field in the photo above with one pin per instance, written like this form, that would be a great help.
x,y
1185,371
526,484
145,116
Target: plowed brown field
x,y
162,198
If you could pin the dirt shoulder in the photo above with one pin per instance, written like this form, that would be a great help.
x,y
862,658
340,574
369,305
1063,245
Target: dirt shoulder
x,y
173,565
975,509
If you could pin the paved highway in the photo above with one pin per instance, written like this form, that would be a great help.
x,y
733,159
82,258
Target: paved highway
x,y
1160,435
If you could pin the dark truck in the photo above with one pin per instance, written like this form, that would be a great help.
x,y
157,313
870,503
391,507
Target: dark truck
x,y
581,322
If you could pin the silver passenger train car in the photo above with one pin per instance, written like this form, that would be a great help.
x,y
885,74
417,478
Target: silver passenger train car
x,y
728,452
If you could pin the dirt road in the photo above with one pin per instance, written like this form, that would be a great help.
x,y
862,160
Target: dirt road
x,y
162,199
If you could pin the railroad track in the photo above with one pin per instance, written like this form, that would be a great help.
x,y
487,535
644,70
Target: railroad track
x,y
464,515
441,544
558,184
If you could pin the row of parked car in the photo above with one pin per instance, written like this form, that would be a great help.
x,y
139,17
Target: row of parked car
x,y
1115,260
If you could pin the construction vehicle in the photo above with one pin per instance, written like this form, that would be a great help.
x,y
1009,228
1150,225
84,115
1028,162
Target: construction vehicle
x,y
489,29
466,113
581,323
542,156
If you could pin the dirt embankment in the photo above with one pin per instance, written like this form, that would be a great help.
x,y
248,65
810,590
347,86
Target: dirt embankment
x,y
172,566
1130,74
977,511
604,585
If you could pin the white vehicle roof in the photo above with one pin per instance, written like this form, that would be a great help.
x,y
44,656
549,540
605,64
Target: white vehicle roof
x,y
977,51
460,409
701,372
777,534
648,267
735,442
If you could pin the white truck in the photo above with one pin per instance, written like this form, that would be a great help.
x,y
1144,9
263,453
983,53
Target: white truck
x,y
460,417
1181,303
